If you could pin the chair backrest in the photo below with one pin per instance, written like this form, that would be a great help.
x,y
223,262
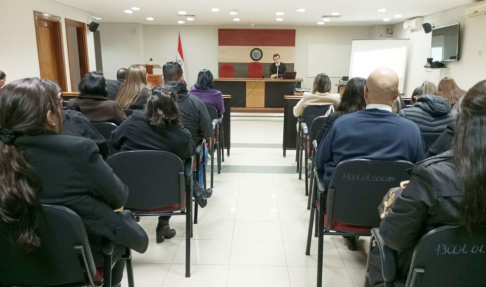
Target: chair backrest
x,y
315,127
430,139
155,178
255,70
64,256
313,111
358,186
213,113
105,128
226,71
128,112
450,256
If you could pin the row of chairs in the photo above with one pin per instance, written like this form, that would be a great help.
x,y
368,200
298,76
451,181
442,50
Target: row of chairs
x,y
348,207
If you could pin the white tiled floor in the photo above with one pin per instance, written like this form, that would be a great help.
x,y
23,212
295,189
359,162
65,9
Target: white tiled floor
x,y
253,231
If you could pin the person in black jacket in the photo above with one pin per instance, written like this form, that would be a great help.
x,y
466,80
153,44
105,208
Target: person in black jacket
x,y
449,189
158,127
351,101
443,142
113,87
37,165
277,69
432,114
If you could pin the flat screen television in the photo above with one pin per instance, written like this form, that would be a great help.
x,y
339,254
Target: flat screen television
x,y
445,43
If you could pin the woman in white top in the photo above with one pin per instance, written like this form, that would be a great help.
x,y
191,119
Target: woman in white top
x,y
320,95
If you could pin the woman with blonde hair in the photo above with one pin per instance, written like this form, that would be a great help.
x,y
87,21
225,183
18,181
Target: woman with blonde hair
x,y
135,91
449,90
429,88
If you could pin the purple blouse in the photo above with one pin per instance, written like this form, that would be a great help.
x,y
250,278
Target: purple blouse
x,y
210,97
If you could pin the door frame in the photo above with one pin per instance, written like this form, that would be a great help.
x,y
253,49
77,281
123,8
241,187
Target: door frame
x,y
83,51
61,67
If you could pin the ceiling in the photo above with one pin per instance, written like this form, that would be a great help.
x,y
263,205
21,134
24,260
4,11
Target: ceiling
x,y
262,12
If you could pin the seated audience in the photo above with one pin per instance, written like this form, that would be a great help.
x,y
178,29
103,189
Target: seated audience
x,y
135,91
321,95
449,90
449,189
443,142
374,133
204,90
93,103
194,114
113,87
158,127
3,79
40,166
429,88
351,101
431,113
417,93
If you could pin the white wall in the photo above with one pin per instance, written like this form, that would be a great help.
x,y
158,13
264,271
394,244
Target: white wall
x,y
200,45
470,69
18,44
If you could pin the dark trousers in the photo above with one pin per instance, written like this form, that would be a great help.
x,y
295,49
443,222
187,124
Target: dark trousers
x,y
375,271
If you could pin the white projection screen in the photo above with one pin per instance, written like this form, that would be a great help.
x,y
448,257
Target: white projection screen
x,y
367,55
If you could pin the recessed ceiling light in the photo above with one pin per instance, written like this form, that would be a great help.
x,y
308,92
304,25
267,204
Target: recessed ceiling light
x,y
386,20
128,11
182,13
335,14
150,18
135,9
279,19
382,10
181,22
326,19
398,16
233,13
320,23
236,19
190,19
280,13
215,10
301,10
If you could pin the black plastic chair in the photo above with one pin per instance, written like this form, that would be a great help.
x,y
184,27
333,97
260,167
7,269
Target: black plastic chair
x,y
430,139
350,206
128,112
310,113
214,141
200,161
445,256
63,259
160,185
309,136
105,128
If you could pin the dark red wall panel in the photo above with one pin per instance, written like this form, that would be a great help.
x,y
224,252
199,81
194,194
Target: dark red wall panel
x,y
256,37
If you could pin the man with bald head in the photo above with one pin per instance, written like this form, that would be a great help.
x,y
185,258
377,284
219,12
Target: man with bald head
x,y
374,133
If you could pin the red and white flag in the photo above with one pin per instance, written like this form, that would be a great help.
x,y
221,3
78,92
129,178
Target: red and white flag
x,y
180,57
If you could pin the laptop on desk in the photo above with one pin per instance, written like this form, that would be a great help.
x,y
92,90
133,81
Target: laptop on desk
x,y
289,75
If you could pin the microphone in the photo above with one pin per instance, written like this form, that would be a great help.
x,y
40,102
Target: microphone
x,y
277,69
150,60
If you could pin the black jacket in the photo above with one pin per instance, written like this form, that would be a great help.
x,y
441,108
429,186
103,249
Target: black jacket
x,y
432,114
142,100
443,143
76,124
74,175
194,114
98,108
281,69
136,133
112,87
433,198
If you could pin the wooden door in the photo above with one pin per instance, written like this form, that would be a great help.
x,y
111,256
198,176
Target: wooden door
x,y
50,48
77,51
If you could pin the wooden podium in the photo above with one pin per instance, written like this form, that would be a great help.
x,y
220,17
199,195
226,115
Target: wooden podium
x,y
153,80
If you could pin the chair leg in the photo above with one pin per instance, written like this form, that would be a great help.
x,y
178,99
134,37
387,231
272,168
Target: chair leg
x,y
311,190
218,151
108,263
130,270
189,229
297,149
316,222
221,140
320,250
212,161
306,172
196,208
309,233
301,156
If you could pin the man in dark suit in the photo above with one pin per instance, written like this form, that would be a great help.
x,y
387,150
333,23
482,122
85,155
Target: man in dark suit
x,y
113,86
277,69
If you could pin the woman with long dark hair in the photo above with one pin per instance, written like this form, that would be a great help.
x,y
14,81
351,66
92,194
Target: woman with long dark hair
x,y
448,189
351,101
37,165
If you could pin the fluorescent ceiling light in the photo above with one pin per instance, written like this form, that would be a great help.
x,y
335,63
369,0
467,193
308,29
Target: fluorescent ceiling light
x,y
320,23
182,13
335,14
135,9
128,11
326,19
150,18
233,13
279,19
398,16
386,20
181,22
190,19
382,10
215,10
301,10
280,13
236,19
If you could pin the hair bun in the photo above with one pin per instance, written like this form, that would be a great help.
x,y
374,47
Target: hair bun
x,y
7,136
